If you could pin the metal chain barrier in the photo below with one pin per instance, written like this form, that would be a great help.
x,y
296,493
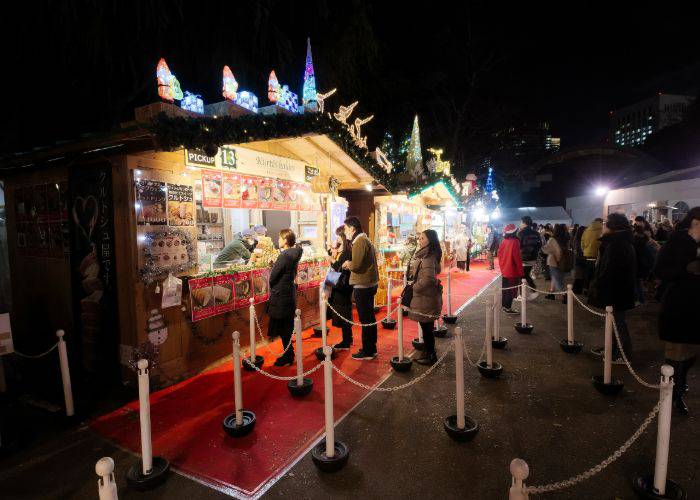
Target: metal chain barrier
x,y
629,366
592,311
542,291
601,466
397,387
266,343
280,377
350,321
37,356
481,355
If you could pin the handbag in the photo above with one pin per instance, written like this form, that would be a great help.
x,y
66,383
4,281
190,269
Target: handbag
x,y
332,277
407,292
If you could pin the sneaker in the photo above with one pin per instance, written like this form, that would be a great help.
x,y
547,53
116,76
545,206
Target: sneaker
x,y
598,351
342,346
284,361
519,298
533,296
363,356
510,311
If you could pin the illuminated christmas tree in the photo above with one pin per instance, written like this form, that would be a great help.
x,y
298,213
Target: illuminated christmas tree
x,y
309,90
489,187
414,156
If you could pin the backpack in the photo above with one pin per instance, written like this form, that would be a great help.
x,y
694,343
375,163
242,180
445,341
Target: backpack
x,y
566,263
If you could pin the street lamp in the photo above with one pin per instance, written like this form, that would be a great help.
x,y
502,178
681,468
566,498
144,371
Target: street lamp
x,y
601,190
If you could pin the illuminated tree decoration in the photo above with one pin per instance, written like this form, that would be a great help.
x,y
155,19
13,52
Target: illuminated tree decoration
x,y
230,85
273,87
489,187
192,102
247,100
414,158
309,94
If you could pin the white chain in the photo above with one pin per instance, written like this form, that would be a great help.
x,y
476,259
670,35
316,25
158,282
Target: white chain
x,y
280,377
543,291
265,341
466,353
592,311
431,316
629,366
397,387
597,468
29,356
349,321
507,288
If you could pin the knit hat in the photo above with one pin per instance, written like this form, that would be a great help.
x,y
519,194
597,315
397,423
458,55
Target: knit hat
x,y
247,233
509,229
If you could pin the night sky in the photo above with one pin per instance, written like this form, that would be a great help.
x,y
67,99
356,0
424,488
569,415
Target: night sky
x,y
75,67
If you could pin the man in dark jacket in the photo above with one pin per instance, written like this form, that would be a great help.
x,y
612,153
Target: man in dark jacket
x,y
614,278
530,245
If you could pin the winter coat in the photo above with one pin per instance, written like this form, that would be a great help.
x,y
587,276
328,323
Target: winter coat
x,y
427,289
341,296
681,298
590,240
509,260
645,257
363,265
615,274
553,250
461,244
530,244
283,290
233,251
492,241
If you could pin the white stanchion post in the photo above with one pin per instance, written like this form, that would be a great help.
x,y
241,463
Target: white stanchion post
x,y
663,433
523,302
251,313
388,297
489,317
300,348
459,377
237,388
328,402
106,485
607,360
65,373
570,314
145,417
449,293
399,319
496,312
520,471
489,348
324,310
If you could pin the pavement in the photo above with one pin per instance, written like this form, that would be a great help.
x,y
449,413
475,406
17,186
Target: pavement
x,y
542,409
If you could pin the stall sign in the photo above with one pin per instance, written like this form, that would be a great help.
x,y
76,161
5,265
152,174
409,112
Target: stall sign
x,y
311,172
231,190
198,158
180,205
202,298
243,289
261,285
150,202
211,188
227,157
224,296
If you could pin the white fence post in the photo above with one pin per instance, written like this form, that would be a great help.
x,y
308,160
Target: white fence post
x,y
299,346
459,377
663,434
237,387
328,402
496,312
570,314
520,471
251,314
145,417
449,293
106,485
65,373
523,306
388,297
607,361
489,317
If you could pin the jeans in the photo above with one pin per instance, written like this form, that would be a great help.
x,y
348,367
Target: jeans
x,y
557,278
527,270
347,333
364,301
427,327
508,295
624,333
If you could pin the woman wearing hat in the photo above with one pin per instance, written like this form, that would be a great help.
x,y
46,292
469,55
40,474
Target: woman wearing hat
x,y
511,265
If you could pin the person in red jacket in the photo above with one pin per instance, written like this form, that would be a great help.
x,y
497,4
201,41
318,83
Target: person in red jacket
x,y
511,265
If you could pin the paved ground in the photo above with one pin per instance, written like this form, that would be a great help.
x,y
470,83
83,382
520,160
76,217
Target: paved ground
x,y
543,409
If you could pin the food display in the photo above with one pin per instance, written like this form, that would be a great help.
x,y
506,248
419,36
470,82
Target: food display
x,y
180,205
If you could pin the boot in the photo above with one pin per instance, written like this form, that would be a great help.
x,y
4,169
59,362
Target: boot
x,y
427,359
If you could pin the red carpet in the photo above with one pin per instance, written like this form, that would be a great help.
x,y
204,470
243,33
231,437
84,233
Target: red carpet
x,y
186,418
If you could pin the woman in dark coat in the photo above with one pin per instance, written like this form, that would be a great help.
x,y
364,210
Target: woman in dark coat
x,y
678,266
341,293
283,294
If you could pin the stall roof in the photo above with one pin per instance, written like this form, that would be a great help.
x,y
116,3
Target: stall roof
x,y
438,194
540,215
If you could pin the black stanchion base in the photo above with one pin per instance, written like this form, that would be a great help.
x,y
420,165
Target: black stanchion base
x,y
486,372
418,344
388,324
644,488
259,360
300,390
322,357
330,464
440,332
526,328
471,429
245,428
611,389
499,343
449,319
318,333
402,365
136,480
574,348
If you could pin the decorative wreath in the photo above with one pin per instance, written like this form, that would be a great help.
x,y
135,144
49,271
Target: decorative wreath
x,y
154,267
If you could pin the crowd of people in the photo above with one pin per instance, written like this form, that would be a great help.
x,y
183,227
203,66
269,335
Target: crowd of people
x,y
618,263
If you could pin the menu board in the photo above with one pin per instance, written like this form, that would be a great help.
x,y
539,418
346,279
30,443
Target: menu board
x,y
261,285
243,288
224,297
150,202
211,188
42,213
180,205
265,192
202,298
310,275
231,190
249,192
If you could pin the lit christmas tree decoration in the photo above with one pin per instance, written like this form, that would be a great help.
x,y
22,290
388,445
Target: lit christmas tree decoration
x,y
489,187
414,158
309,94
230,85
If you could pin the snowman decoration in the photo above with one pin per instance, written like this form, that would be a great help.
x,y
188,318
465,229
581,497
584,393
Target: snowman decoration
x,y
157,331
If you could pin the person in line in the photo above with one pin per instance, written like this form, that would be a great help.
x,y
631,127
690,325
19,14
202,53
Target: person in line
x,y
555,249
282,305
426,303
580,261
461,250
614,278
678,265
645,259
511,264
492,242
590,244
664,231
530,244
364,276
238,249
341,293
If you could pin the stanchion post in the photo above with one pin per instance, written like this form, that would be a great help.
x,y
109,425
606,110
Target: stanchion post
x,y
489,317
145,417
388,296
299,346
449,293
65,373
663,434
520,471
523,303
496,312
324,326
489,348
106,485
237,387
328,402
607,360
570,314
251,321
459,377
399,319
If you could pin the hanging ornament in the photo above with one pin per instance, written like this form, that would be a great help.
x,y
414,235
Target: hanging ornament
x,y
230,85
309,94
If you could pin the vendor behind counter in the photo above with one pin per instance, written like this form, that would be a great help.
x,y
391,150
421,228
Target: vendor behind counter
x,y
239,249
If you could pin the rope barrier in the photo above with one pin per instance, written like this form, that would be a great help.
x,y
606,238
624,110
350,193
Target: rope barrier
x,y
629,366
560,485
281,377
37,356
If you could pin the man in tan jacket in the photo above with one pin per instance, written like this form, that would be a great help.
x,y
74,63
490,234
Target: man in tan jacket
x,y
590,243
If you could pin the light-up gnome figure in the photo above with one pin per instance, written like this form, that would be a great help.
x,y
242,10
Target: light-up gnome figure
x,y
244,98
281,95
168,85
157,330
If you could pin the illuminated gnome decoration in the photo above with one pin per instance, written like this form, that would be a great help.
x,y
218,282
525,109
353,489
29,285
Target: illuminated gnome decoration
x,y
230,85
273,87
281,95
168,85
